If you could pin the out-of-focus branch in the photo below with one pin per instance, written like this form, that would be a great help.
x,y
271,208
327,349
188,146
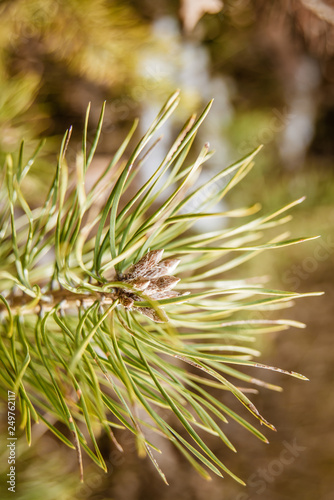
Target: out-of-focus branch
x,y
322,10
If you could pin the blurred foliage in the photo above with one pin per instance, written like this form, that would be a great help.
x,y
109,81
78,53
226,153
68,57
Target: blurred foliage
x,y
44,43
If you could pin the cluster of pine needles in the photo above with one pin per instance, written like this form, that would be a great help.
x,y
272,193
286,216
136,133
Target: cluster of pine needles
x,y
117,309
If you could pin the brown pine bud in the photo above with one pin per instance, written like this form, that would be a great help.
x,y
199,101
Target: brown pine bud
x,y
152,314
127,302
169,265
139,283
165,294
154,273
145,264
161,284
164,267
153,277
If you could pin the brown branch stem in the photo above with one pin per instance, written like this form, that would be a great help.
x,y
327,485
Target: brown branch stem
x,y
25,304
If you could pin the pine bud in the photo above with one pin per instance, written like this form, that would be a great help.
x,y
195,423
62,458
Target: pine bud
x,y
161,284
153,277
127,302
152,314
166,266
139,283
169,265
166,294
145,264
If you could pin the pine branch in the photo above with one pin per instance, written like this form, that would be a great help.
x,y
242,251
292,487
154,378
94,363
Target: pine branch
x,y
101,293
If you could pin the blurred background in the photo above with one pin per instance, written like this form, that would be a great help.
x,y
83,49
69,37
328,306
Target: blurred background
x,y
270,68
